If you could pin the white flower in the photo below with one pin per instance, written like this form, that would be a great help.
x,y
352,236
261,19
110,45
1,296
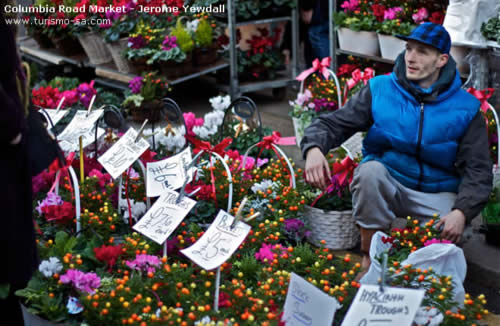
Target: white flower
x,y
262,186
204,321
192,26
50,267
428,317
137,209
214,118
220,102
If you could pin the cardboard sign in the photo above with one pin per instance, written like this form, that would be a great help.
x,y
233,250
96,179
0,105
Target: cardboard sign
x,y
81,125
305,304
394,306
218,243
164,217
123,154
168,173
55,116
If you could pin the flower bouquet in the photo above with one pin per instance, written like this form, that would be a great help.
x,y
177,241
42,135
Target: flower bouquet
x,y
144,102
329,212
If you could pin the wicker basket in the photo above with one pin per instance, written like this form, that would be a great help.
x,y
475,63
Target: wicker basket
x,y
337,228
116,49
95,48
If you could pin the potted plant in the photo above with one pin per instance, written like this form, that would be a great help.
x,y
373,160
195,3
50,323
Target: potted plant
x,y
491,31
185,43
263,58
144,102
142,45
317,96
37,31
356,26
329,212
62,34
205,51
392,22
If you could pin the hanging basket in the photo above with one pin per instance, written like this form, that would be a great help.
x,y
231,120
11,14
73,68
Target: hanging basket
x,y
337,228
95,48
68,46
116,49
150,110
362,42
33,320
390,46
172,69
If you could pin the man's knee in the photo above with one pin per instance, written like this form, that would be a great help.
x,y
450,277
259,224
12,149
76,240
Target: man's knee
x,y
370,174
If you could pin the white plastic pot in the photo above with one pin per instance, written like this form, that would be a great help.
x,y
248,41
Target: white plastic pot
x,y
390,46
362,42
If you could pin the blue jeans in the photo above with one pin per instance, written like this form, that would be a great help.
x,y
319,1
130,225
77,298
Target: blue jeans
x,y
319,41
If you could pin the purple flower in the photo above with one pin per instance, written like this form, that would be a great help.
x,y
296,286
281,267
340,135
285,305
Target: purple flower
x,y
433,241
85,92
135,84
350,5
169,43
293,225
84,282
392,13
321,104
51,200
137,42
144,263
266,252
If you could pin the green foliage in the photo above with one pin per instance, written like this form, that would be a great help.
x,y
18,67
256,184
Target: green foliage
x,y
491,29
184,40
204,34
62,83
491,212
120,28
174,54
142,53
4,291
394,27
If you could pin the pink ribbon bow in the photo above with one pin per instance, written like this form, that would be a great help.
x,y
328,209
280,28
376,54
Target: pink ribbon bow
x,y
275,138
482,96
319,66
358,76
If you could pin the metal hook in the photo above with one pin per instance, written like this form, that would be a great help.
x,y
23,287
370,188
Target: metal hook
x,y
139,133
384,271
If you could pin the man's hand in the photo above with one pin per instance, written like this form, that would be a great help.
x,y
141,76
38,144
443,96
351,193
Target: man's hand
x,y
316,165
454,224
17,139
306,16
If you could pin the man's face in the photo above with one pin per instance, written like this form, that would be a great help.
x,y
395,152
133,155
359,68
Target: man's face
x,y
423,63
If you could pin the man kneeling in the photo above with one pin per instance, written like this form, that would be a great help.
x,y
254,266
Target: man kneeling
x,y
426,148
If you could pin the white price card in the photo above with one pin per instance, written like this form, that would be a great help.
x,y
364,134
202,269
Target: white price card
x,y
218,243
81,125
394,306
168,173
164,216
305,304
123,154
55,116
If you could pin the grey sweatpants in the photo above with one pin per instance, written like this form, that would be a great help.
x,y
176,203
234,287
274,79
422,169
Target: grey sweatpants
x,y
378,198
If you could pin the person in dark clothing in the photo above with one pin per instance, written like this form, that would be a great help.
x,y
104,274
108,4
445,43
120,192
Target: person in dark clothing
x,y
19,253
314,14
426,150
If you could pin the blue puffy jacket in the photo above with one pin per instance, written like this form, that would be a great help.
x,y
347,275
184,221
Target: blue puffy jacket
x,y
418,142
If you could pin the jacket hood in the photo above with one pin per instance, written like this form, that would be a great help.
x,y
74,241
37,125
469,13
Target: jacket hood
x,y
448,82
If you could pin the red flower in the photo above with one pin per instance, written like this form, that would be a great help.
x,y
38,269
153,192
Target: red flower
x,y
61,214
437,17
346,69
378,12
224,300
46,97
108,254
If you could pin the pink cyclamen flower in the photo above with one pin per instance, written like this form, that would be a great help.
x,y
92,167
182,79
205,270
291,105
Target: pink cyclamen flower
x,y
84,282
266,252
191,121
103,177
350,5
51,200
420,16
392,13
145,263
434,240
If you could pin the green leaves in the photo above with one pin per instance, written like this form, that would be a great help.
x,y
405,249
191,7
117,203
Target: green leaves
x,y
491,29
174,54
4,290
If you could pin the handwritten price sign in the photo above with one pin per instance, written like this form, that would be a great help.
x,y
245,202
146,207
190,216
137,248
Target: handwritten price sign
x,y
305,304
218,243
393,307
81,125
164,217
55,116
122,154
168,173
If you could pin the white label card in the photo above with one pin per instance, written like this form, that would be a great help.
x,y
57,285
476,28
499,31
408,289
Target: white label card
x,y
218,243
168,173
81,125
394,306
164,216
55,116
123,154
305,304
